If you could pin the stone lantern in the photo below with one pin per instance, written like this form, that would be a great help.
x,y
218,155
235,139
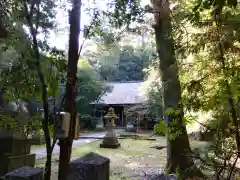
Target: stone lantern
x,y
111,117
110,140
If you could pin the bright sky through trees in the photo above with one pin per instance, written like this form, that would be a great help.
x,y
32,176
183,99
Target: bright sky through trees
x,y
59,38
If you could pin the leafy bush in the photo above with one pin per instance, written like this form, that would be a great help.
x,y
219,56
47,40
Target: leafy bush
x,y
160,128
91,121
220,122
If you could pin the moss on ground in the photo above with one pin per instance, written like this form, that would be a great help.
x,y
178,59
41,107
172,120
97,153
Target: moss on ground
x,y
128,161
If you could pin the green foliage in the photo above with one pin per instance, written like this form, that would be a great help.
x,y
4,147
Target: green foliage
x,y
129,68
90,120
54,66
202,73
120,63
208,78
20,76
89,89
208,72
22,128
160,128
172,129
211,4
124,12
6,122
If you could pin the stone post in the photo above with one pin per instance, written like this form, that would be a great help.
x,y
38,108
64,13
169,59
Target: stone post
x,y
90,167
25,173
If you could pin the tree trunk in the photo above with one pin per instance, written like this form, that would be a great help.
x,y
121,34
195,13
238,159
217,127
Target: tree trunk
x,y
45,122
178,148
48,167
70,106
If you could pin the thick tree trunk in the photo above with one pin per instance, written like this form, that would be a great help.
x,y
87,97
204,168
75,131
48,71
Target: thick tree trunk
x,y
178,148
48,167
70,106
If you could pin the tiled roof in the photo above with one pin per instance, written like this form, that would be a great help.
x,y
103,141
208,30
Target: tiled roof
x,y
122,93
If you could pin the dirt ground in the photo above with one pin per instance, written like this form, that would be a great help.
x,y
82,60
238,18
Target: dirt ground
x,y
131,161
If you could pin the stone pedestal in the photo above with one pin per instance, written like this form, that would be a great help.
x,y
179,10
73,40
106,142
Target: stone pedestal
x,y
25,173
110,141
90,167
14,153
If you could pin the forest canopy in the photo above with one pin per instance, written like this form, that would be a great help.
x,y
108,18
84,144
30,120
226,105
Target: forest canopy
x,y
186,52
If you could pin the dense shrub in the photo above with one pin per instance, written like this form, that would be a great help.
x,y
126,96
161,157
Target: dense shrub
x,y
159,128
91,121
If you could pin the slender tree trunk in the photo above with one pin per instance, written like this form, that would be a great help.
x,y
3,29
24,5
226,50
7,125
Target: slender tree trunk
x,y
70,106
178,148
45,122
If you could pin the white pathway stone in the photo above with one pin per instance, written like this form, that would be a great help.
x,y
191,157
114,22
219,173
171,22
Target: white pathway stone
x,y
41,153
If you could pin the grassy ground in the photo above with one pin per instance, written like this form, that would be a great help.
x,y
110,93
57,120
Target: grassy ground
x,y
38,146
129,161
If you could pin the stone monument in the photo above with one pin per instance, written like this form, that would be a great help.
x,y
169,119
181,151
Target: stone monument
x,y
90,167
25,173
14,153
110,140
14,137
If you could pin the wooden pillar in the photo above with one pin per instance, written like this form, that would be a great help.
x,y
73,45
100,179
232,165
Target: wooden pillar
x,y
126,119
138,122
123,116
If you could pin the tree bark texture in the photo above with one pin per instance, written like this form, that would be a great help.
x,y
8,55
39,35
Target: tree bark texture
x,y
70,97
178,148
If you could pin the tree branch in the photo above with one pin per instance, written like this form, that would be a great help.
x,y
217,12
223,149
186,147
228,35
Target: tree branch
x,y
53,144
38,15
31,8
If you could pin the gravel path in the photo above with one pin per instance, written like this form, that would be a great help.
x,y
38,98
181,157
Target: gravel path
x,y
41,152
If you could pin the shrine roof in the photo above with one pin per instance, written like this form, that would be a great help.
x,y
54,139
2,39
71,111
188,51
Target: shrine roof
x,y
122,93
